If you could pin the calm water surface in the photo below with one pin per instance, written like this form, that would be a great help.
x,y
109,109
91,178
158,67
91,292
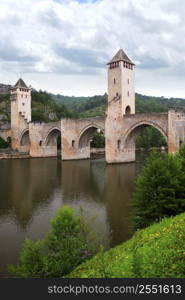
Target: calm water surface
x,y
31,190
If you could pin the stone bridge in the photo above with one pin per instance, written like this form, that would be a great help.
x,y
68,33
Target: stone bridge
x,y
72,137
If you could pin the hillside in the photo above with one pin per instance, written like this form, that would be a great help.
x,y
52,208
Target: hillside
x,y
157,251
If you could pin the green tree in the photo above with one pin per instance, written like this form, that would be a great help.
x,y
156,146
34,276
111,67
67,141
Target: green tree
x,y
160,190
62,249
98,140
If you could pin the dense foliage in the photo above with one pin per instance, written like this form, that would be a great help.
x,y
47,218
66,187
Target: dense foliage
x,y
3,144
150,137
98,140
62,249
156,251
45,109
160,189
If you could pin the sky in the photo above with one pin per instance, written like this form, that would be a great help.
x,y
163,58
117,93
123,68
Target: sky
x,y
62,46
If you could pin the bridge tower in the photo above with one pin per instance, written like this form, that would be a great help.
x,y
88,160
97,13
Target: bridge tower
x,y
20,96
121,102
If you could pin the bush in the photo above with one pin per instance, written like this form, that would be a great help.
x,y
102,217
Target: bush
x,y
160,190
98,140
62,249
156,251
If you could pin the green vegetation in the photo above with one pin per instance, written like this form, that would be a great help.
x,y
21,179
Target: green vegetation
x,y
160,189
45,109
4,108
98,140
3,144
157,251
150,137
62,249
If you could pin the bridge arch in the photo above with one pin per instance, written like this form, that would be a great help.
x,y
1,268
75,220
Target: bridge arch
x,y
86,134
25,140
128,141
53,137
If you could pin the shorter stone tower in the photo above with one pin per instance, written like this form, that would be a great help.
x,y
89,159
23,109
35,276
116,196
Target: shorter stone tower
x,y
20,96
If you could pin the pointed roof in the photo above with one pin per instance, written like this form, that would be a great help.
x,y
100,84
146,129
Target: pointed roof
x,y
21,84
121,56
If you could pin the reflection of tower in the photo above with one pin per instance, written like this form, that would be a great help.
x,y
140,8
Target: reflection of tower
x,y
119,185
121,82
20,110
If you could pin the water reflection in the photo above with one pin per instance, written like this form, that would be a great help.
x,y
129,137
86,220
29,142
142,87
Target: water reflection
x,y
33,189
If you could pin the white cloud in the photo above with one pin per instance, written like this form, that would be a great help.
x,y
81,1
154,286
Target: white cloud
x,y
66,41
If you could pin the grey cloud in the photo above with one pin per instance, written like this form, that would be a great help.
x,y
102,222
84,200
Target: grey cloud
x,y
83,57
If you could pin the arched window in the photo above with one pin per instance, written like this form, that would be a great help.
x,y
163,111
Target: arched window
x,y
128,110
114,80
73,143
119,143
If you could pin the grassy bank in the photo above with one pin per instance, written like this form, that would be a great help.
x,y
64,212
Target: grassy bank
x,y
157,251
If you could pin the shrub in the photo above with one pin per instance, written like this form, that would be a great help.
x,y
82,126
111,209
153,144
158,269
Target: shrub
x,y
160,190
61,250
156,251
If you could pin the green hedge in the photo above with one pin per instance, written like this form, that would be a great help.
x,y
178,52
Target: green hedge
x,y
156,251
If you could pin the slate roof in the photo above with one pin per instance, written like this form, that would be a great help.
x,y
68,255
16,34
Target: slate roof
x,y
21,84
121,56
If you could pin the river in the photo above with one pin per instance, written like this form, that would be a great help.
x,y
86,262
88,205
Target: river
x,y
31,191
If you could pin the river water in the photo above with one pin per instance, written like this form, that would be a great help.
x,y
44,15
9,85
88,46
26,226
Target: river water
x,y
31,191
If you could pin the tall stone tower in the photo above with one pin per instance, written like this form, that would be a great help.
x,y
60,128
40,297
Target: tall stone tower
x,y
121,82
121,102
20,97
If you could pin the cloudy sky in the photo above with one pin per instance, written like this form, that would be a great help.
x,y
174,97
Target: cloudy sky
x,y
62,46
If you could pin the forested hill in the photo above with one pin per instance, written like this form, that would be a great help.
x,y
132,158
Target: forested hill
x,y
95,106
48,107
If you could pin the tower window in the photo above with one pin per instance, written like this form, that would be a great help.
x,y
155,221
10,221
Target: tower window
x,y
40,143
114,80
23,103
118,144
128,110
128,81
73,143
117,94
128,93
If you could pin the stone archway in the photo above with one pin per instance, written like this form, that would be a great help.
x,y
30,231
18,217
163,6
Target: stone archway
x,y
87,134
53,141
25,141
127,143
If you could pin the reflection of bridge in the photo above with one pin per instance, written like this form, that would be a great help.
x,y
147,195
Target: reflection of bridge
x,y
121,125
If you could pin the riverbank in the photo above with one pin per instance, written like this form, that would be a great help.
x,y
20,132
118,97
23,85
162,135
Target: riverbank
x,y
157,251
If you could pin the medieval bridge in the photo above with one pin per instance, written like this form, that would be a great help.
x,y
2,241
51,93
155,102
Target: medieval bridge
x,y
120,125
